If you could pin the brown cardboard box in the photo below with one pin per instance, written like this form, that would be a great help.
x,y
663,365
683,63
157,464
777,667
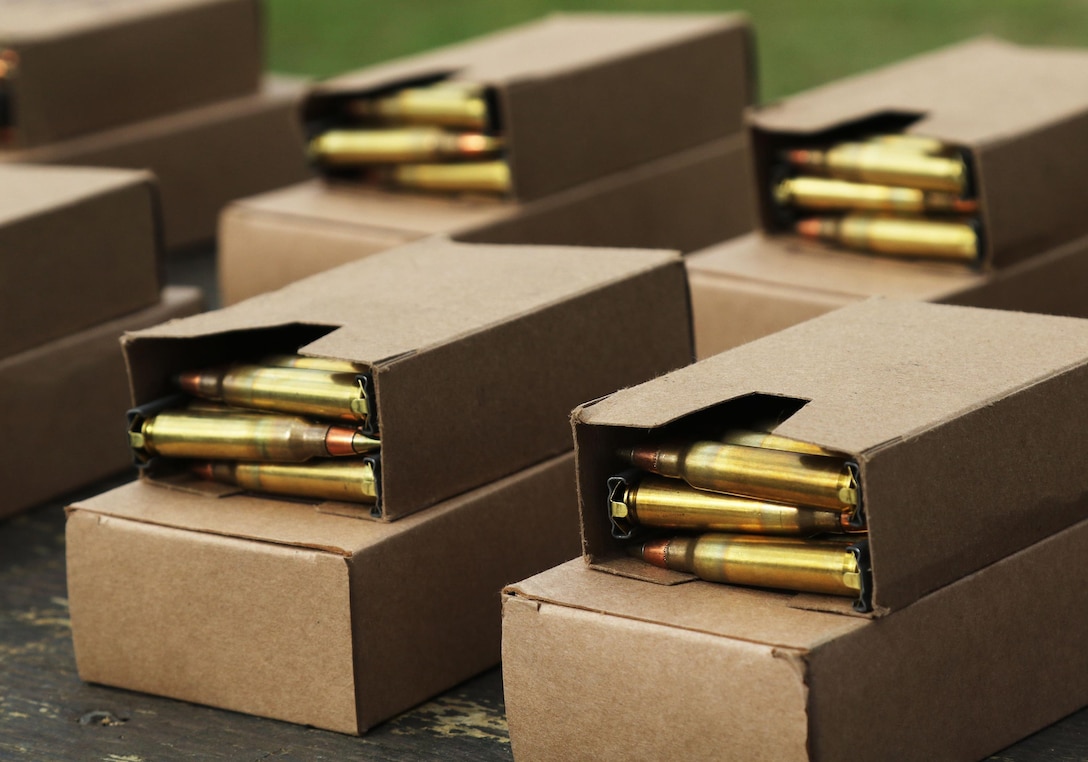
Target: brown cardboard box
x,y
79,67
683,201
584,96
597,666
77,247
476,353
203,157
278,609
963,425
1018,113
62,403
758,284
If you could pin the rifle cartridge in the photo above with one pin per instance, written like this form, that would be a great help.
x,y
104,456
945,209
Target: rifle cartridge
x,y
351,148
907,142
841,195
812,566
767,440
874,163
303,391
927,239
778,476
351,481
460,105
313,363
486,176
255,436
654,501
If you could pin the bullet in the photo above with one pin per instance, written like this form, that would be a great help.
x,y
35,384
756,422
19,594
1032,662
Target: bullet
x,y
460,105
956,241
653,501
351,480
756,437
816,481
207,435
486,176
313,363
353,148
840,195
915,143
874,163
302,391
812,566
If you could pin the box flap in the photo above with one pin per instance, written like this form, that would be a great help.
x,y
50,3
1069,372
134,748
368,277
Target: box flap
x,y
45,20
874,372
26,191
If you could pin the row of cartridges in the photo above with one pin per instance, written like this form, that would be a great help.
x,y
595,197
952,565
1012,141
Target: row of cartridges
x,y
442,138
288,425
892,194
749,508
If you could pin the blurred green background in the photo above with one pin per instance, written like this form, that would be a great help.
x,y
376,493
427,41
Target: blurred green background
x,y
801,42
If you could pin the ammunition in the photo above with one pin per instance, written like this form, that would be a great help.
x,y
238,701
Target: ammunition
x,y
352,480
874,163
817,481
303,391
814,566
314,363
487,176
351,148
900,237
668,503
759,438
915,143
834,195
204,435
447,105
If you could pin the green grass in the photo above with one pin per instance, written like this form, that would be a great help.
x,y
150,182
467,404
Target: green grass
x,y
801,42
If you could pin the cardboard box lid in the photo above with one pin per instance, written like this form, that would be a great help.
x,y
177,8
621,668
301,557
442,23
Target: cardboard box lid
x,y
45,20
874,372
28,191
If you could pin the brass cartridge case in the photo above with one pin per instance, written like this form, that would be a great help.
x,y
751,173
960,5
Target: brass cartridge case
x,y
313,363
813,566
817,481
927,239
351,480
915,143
759,438
840,195
449,104
303,391
874,163
669,503
485,176
226,435
351,148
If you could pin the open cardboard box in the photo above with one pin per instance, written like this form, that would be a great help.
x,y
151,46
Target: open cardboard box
x,y
77,248
963,425
476,353
74,68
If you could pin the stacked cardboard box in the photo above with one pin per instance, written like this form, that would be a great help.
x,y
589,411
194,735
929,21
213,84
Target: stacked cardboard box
x,y
1028,163
79,265
621,130
961,423
341,615
173,86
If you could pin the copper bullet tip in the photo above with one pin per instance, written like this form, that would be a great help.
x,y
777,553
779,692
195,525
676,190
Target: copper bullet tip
x,y
339,441
799,157
965,206
189,381
652,552
642,457
203,470
809,228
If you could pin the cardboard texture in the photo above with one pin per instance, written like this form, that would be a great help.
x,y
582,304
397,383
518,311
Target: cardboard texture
x,y
756,285
584,96
599,666
74,384
77,247
86,66
682,202
961,422
477,353
1019,113
203,158
220,602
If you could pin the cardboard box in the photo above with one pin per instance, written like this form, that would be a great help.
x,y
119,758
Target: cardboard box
x,y
683,201
597,666
77,247
63,423
1022,139
278,609
583,96
476,354
77,67
756,285
960,422
203,158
